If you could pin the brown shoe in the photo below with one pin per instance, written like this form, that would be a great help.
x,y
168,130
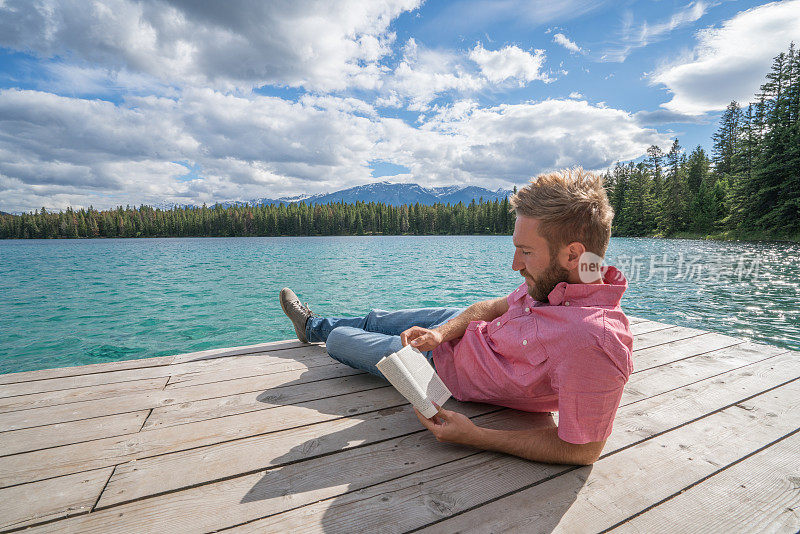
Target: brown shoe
x,y
298,313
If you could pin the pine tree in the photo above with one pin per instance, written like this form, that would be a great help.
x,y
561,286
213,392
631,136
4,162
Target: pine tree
x,y
638,204
726,140
770,199
673,215
697,182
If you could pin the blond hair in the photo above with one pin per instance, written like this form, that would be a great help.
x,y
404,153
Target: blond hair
x,y
572,205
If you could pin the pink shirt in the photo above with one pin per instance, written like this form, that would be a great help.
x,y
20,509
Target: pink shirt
x,y
571,355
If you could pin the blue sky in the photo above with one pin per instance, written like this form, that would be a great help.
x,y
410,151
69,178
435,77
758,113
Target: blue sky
x,y
121,102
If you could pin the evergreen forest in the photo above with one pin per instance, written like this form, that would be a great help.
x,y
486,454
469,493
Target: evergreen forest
x,y
749,187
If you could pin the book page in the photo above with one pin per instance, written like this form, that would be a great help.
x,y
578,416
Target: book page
x,y
396,373
424,376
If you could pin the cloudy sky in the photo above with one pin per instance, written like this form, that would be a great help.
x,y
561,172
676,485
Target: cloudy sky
x,y
115,102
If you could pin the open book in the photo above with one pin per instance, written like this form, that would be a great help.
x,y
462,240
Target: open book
x,y
411,374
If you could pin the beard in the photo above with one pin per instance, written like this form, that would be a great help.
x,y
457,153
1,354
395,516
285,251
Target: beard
x,y
547,281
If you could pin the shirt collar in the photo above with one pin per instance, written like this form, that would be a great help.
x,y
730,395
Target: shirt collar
x,y
609,293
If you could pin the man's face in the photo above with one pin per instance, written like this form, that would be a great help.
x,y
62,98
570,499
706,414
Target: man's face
x,y
532,259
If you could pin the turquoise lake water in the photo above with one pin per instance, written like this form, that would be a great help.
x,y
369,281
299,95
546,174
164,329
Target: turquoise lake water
x,y
75,302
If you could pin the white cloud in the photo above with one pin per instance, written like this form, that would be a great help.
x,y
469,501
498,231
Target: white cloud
x,y
564,41
691,13
58,151
345,104
74,80
645,33
422,74
316,44
730,62
506,144
576,95
510,63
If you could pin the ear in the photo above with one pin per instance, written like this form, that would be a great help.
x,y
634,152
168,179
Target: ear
x,y
571,254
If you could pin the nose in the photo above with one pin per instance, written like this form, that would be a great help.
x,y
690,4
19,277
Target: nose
x,y
517,264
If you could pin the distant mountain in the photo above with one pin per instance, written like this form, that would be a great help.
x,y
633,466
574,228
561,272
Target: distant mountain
x,y
383,192
389,193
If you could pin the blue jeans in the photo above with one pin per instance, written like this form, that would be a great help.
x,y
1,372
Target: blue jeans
x,y
361,342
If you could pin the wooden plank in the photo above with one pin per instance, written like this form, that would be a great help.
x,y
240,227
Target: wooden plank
x,y
663,354
61,372
51,499
759,494
175,397
67,396
140,363
347,380
153,398
170,472
646,358
648,326
42,437
57,461
685,370
266,356
226,352
662,336
622,484
225,370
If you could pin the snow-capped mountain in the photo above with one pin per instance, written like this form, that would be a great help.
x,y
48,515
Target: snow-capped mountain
x,y
383,192
392,194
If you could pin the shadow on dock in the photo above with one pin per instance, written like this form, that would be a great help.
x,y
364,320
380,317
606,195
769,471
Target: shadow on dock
x,y
356,450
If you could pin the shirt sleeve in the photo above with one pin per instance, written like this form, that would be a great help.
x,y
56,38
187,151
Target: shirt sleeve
x,y
588,397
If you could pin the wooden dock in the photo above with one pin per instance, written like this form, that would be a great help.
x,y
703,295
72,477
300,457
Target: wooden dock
x,y
278,437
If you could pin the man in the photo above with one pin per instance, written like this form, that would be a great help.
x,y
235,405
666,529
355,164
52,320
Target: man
x,y
559,342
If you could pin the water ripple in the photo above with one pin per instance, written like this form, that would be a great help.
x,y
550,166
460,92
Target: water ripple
x,y
85,301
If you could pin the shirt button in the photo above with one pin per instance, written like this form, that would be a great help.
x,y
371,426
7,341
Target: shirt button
x,y
524,341
566,303
527,309
498,323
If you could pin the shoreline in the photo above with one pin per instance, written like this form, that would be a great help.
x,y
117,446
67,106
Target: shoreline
x,y
728,236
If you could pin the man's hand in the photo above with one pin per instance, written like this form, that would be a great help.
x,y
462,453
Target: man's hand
x,y
452,427
421,339
540,444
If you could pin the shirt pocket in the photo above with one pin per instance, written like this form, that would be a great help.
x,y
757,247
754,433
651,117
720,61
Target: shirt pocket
x,y
514,337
